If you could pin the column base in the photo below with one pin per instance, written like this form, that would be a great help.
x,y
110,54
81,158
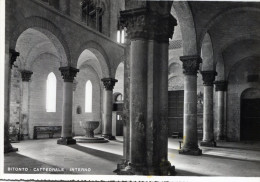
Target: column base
x,y
221,139
108,136
8,148
126,168
185,151
208,143
166,169
66,141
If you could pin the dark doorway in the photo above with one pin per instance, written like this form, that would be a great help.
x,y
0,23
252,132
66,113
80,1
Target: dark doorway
x,y
250,119
175,109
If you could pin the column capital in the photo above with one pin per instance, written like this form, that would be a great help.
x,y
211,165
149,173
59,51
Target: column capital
x,y
13,56
26,75
220,85
68,73
144,24
208,77
191,64
109,83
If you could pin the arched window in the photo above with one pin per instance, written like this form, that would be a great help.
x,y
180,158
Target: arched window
x,y
88,97
51,93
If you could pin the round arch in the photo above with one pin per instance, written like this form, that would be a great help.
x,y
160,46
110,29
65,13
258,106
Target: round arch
x,y
92,50
49,29
188,30
223,14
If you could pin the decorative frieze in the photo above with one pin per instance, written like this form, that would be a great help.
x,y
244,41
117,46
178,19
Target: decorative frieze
x,y
221,85
109,83
144,24
191,64
13,56
68,73
208,77
26,75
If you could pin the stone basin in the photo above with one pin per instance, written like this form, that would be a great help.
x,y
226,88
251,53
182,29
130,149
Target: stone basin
x,y
89,127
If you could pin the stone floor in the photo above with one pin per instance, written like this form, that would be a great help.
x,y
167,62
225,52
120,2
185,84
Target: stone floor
x,y
228,159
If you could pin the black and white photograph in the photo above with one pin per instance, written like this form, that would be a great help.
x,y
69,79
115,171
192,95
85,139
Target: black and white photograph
x,y
130,90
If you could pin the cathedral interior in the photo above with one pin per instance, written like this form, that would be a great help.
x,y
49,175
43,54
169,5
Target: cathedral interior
x,y
127,87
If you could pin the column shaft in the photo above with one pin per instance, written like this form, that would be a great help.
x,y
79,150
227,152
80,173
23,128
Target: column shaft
x,y
109,84
68,74
221,87
208,131
107,114
220,116
25,109
138,107
67,110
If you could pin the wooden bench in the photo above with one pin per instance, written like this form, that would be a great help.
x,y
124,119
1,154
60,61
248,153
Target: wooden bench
x,y
177,135
51,130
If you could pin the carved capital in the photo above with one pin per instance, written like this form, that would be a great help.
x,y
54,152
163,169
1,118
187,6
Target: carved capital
x,y
220,85
109,83
13,56
144,24
191,64
208,77
68,73
26,75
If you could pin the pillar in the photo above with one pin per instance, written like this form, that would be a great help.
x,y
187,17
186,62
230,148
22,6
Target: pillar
x,y
109,84
190,138
208,121
220,88
148,102
68,73
24,125
8,66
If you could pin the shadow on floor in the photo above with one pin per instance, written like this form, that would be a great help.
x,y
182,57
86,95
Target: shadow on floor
x,y
187,173
175,151
229,158
98,153
239,148
20,164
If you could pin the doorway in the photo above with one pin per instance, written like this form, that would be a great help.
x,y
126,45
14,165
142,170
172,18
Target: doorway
x,y
250,119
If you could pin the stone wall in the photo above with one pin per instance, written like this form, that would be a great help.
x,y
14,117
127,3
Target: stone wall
x,y
237,83
43,65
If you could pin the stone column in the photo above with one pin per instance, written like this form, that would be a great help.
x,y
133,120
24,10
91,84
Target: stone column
x,y
68,73
190,138
208,130
26,76
221,88
109,84
8,66
149,34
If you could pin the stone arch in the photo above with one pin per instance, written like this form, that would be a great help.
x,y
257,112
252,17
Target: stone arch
x,y
97,53
250,93
188,30
47,28
223,14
